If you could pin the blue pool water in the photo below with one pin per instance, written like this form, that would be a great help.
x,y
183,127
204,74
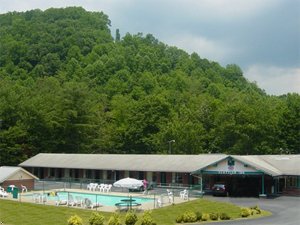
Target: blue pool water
x,y
108,200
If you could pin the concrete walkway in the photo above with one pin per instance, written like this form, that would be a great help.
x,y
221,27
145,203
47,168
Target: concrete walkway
x,y
285,210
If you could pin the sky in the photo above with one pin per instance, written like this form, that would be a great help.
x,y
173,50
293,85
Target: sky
x,y
260,36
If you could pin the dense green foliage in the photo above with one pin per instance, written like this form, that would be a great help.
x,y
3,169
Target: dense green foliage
x,y
68,86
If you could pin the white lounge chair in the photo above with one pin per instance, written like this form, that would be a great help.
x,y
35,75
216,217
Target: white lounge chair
x,y
184,194
61,201
71,201
39,198
89,204
3,193
79,201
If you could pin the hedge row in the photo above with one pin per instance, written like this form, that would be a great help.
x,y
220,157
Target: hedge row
x,y
190,217
98,219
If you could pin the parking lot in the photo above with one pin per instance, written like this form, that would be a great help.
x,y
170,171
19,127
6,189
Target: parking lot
x,y
285,210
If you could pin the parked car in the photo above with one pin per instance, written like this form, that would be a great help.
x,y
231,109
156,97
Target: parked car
x,y
219,189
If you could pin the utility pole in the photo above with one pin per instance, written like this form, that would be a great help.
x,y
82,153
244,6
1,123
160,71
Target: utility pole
x,y
170,145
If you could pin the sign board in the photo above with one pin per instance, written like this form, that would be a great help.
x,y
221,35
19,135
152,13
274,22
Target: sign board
x,y
230,166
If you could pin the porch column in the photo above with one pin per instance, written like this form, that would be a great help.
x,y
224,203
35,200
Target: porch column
x,y
173,177
201,183
67,173
149,176
262,186
104,175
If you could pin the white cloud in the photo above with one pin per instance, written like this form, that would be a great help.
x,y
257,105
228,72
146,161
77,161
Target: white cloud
x,y
204,47
275,80
218,10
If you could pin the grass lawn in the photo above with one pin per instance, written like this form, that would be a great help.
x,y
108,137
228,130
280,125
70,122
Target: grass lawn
x,y
16,213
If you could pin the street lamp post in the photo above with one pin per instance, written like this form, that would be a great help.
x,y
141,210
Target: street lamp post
x,y
170,146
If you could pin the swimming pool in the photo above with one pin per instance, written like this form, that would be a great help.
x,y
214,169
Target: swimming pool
x,y
108,200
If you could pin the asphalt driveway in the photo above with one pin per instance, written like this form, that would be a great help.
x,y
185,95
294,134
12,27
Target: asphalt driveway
x,y
285,210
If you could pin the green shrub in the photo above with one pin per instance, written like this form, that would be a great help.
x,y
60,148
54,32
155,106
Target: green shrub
x,y
147,219
114,220
214,216
205,217
179,219
96,219
255,210
245,212
130,218
189,217
224,216
75,220
199,216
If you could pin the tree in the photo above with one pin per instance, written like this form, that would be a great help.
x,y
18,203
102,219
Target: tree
x,y
118,36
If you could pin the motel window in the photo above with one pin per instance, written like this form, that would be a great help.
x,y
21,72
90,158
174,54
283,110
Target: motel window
x,y
292,181
230,162
88,174
76,173
141,175
132,174
163,178
52,172
98,174
71,173
60,173
36,171
154,177
110,175
178,178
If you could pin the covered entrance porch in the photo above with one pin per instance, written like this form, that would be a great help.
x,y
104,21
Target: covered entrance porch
x,y
239,178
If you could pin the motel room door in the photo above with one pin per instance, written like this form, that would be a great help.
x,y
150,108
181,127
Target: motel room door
x,y
163,178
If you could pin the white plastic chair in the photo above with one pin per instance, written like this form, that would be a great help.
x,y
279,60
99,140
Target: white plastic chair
x,y
184,194
24,188
101,187
170,196
89,186
3,193
107,188
159,201
94,186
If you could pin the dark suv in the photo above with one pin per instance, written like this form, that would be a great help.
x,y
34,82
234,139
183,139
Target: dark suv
x,y
219,189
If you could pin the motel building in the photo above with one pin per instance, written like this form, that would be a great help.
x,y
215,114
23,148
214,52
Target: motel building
x,y
244,175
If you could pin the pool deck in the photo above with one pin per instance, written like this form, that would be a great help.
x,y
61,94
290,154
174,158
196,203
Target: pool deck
x,y
164,199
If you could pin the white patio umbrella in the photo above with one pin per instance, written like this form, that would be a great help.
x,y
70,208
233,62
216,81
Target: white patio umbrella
x,y
129,183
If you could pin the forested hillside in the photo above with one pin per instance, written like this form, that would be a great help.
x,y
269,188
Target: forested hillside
x,y
66,85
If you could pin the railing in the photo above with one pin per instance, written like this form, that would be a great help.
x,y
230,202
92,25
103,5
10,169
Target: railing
x,y
158,188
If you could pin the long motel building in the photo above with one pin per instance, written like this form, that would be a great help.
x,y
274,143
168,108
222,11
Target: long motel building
x,y
243,175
